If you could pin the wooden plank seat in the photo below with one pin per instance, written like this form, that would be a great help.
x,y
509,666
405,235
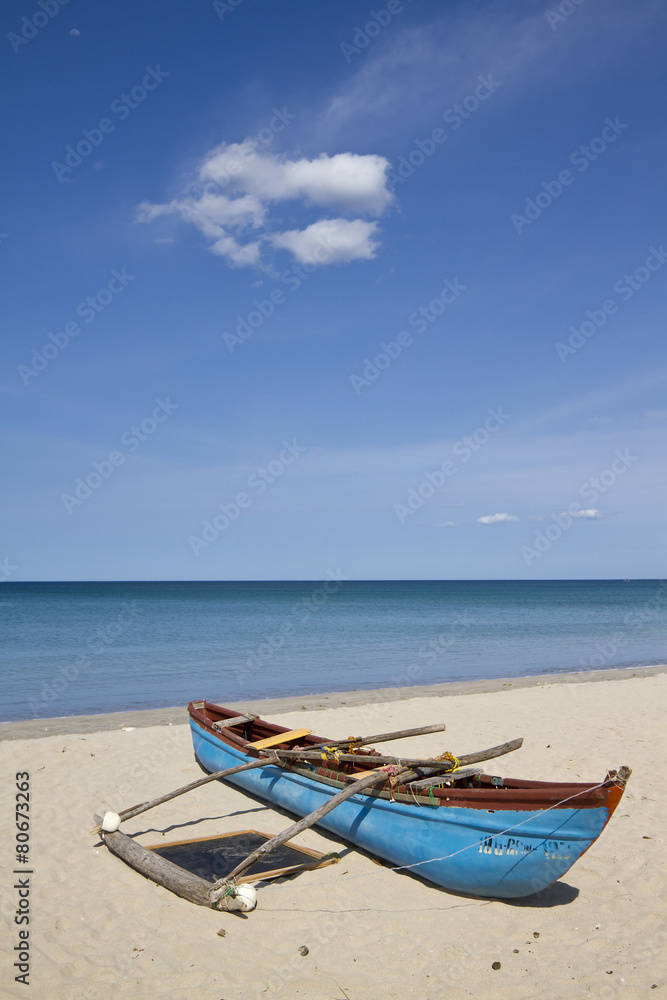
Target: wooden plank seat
x,y
273,741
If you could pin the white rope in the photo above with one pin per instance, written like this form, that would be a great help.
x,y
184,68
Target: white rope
x,y
500,833
446,857
415,797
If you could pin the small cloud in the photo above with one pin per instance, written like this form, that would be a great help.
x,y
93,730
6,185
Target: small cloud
x,y
540,520
238,185
447,524
164,239
453,505
497,518
339,240
75,32
592,513
99,165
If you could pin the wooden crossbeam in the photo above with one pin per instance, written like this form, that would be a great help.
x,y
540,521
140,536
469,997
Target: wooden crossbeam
x,y
236,721
440,779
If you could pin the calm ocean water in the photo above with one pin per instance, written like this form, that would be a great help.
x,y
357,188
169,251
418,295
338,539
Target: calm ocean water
x,y
80,648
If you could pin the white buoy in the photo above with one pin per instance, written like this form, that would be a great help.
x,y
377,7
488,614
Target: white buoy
x,y
111,822
232,897
247,894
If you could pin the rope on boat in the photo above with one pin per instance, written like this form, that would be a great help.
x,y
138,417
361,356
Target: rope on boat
x,y
450,756
415,797
500,833
468,847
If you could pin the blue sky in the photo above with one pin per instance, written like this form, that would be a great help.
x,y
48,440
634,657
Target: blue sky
x,y
218,217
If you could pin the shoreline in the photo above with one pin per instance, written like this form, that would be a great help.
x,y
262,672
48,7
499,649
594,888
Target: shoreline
x,y
28,729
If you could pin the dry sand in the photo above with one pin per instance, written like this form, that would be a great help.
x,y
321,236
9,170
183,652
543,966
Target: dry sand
x,y
99,929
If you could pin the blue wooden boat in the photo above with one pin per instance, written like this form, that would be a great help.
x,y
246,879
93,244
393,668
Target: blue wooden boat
x,y
480,836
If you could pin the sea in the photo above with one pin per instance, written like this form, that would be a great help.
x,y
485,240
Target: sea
x,y
85,648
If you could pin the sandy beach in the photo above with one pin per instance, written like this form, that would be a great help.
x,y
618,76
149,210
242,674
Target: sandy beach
x,y
98,928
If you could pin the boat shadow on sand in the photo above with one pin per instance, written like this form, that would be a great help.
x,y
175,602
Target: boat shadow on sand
x,y
557,894
162,830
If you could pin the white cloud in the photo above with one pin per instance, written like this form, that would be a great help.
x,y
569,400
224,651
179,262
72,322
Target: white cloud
x,y
592,513
497,518
448,524
214,215
330,240
237,224
408,77
345,181
242,255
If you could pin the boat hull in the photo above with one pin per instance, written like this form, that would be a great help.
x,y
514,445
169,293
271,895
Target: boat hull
x,y
501,853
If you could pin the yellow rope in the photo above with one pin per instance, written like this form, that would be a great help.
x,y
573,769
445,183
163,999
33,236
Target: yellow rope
x,y
450,756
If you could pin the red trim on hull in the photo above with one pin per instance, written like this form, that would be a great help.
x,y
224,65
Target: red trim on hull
x,y
515,794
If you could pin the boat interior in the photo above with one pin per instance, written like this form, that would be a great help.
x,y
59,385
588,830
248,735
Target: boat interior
x,y
478,790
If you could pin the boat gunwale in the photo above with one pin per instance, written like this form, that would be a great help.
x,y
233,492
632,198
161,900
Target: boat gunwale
x,y
525,794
